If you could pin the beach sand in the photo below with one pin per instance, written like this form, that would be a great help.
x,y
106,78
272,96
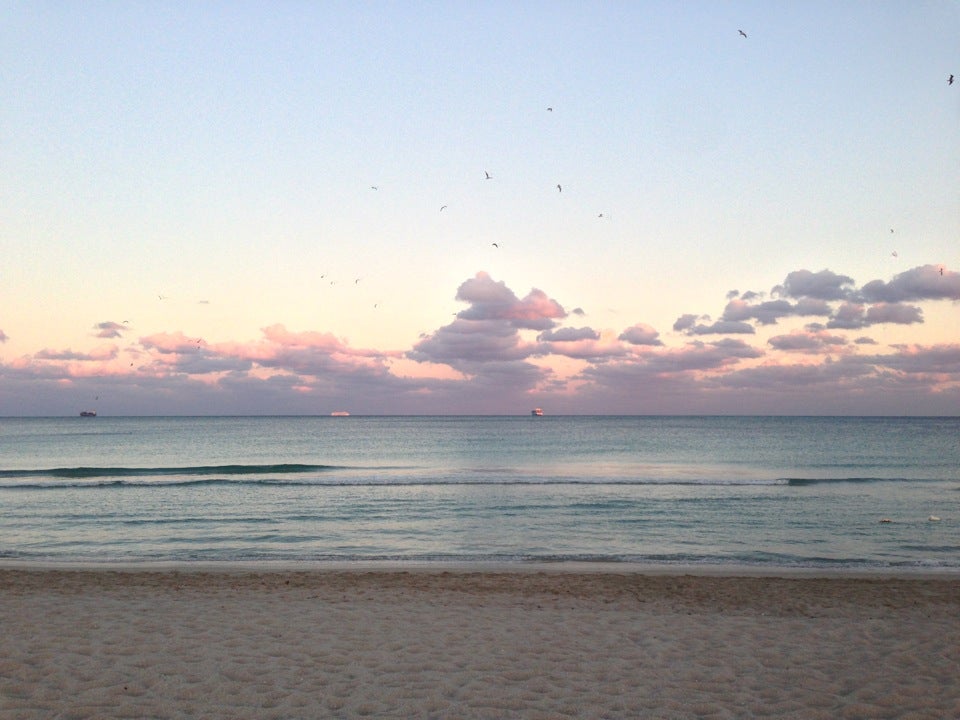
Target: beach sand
x,y
464,644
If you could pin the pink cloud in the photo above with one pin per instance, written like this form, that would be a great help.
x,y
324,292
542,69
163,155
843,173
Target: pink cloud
x,y
693,358
503,350
938,359
641,334
568,335
582,345
491,300
822,285
170,343
928,282
105,352
109,329
772,376
852,316
893,313
721,327
807,341
473,341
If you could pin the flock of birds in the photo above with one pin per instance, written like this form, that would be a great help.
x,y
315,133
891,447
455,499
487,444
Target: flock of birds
x,y
488,176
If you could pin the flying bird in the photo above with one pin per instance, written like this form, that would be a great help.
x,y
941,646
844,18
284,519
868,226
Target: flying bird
x,y
742,32
489,176
950,80
442,207
374,187
550,109
894,254
497,246
559,189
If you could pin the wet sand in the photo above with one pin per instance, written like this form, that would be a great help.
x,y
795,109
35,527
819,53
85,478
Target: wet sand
x,y
528,643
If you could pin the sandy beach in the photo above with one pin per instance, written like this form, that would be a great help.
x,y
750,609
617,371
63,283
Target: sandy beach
x,y
188,643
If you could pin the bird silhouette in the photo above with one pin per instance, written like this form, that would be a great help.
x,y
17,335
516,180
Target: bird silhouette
x,y
550,109
489,176
950,80
742,32
497,246
442,207
559,189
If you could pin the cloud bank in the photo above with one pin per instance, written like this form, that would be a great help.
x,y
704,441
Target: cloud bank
x,y
503,352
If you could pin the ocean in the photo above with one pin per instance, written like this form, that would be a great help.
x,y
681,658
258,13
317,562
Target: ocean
x,y
766,492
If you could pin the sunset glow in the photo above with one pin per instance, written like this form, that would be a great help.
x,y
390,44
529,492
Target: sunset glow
x,y
237,209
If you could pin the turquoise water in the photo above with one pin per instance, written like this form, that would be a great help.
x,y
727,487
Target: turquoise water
x,y
782,492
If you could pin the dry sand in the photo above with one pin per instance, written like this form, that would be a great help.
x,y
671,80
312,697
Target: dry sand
x,y
429,643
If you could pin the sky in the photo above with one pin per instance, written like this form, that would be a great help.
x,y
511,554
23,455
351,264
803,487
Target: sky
x,y
479,208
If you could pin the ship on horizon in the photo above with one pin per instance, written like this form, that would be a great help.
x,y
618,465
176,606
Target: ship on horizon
x,y
537,412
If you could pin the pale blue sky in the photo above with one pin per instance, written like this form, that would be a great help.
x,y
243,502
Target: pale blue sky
x,y
225,153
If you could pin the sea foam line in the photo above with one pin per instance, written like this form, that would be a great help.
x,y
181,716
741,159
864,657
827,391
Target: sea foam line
x,y
95,472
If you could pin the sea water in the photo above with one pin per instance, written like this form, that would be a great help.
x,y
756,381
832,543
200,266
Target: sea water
x,y
784,492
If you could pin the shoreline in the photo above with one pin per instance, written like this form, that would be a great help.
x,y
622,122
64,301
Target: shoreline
x,y
481,567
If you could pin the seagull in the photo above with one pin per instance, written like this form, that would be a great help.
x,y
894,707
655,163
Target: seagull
x,y
742,32
894,253
550,109
950,80
374,187
559,189
442,207
489,176
497,246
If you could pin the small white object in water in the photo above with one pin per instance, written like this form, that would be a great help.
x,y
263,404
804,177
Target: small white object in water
x,y
933,518
885,520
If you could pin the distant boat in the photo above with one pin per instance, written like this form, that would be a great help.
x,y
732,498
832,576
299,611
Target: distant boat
x,y
339,413
537,412
88,413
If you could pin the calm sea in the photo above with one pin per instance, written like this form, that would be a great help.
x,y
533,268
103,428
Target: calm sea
x,y
773,492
